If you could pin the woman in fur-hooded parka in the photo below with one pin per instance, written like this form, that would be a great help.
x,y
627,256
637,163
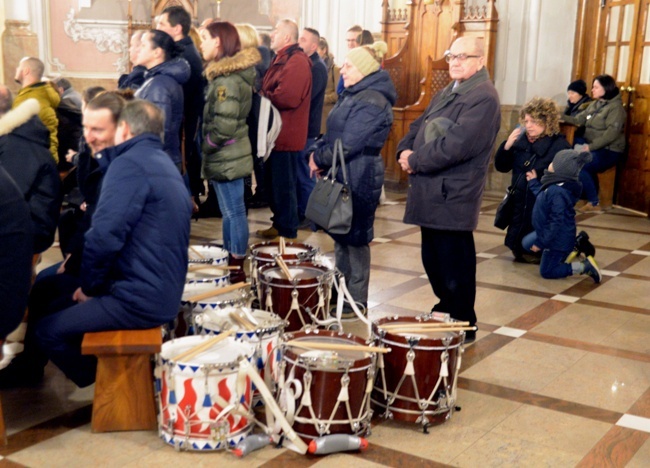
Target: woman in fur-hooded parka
x,y
227,154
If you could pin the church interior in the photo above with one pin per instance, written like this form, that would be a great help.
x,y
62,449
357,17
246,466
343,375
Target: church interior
x,y
559,374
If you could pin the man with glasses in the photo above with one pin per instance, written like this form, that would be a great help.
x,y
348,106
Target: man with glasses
x,y
446,154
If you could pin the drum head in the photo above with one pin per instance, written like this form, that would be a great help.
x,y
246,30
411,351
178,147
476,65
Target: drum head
x,y
426,338
299,272
217,320
237,297
209,254
225,353
292,250
326,359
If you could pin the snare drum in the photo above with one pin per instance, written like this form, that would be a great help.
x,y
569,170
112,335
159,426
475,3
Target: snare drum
x,y
239,298
416,381
326,392
309,288
204,404
208,254
265,337
264,254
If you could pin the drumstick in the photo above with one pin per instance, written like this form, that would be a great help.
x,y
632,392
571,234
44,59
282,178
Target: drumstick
x,y
196,252
194,267
396,326
217,292
281,246
431,330
283,266
335,346
210,342
243,321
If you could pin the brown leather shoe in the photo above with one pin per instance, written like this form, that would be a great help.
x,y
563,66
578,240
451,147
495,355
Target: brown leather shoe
x,y
590,208
270,233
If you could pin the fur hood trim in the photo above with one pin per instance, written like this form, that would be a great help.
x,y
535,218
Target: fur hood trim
x,y
242,60
19,115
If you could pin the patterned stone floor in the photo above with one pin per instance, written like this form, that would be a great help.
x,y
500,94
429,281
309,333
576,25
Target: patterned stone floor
x,y
559,374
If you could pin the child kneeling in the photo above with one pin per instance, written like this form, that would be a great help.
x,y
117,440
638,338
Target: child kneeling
x,y
554,217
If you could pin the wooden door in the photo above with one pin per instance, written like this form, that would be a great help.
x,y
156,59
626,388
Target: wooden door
x,y
625,54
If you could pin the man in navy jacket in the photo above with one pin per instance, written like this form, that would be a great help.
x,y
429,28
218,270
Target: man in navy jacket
x,y
135,254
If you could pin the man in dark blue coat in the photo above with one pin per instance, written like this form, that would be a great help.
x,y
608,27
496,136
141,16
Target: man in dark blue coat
x,y
308,42
135,255
176,22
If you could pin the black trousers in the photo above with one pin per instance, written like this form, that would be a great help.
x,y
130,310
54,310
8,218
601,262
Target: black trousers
x,y
449,259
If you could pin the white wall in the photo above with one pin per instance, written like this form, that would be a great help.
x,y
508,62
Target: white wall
x,y
534,49
332,18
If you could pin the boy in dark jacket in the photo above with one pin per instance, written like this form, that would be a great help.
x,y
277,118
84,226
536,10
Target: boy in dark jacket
x,y
554,217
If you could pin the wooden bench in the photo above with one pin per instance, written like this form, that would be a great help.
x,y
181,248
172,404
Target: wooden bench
x,y
606,182
124,392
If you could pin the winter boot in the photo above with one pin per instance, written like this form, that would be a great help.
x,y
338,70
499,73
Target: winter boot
x,y
239,275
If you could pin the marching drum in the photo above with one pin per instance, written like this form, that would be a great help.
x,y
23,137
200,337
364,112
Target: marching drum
x,y
237,298
264,254
259,328
208,254
309,288
325,392
204,402
416,381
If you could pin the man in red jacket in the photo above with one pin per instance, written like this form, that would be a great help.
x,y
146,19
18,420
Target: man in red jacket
x,y
287,84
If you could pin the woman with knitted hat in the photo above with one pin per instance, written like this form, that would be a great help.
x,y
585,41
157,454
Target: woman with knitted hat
x,y
361,118
577,98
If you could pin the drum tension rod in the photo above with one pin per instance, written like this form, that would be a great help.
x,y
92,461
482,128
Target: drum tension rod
x,y
425,428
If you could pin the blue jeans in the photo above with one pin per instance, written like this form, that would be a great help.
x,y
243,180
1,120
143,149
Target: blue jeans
x,y
552,265
305,184
280,173
602,159
230,195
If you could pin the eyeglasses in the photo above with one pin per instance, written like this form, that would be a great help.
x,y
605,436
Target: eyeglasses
x,y
449,57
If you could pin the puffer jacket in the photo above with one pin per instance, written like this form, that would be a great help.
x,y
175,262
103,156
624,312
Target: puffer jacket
x,y
604,121
362,119
25,154
226,146
518,160
163,86
554,215
136,248
48,97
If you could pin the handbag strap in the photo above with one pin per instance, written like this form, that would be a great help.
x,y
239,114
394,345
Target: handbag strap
x,y
516,184
338,155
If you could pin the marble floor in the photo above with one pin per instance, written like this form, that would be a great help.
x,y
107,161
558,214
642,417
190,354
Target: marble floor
x,y
559,374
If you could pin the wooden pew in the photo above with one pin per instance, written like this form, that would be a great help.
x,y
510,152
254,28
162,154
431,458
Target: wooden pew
x,y
124,392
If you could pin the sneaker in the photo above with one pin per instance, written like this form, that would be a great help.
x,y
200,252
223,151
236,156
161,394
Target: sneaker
x,y
270,233
591,269
591,208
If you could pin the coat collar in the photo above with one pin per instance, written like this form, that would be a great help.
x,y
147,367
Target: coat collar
x,y
242,60
108,155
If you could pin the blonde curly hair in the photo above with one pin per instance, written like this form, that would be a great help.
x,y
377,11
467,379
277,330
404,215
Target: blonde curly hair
x,y
543,111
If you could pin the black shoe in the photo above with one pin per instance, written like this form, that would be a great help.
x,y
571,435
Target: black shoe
x,y
470,336
527,258
584,246
255,204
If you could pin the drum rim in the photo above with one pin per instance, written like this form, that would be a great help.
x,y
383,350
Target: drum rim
x,y
169,361
424,343
358,365
328,273
209,261
270,330
310,249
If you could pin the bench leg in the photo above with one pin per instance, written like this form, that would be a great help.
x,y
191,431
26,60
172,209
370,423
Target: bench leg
x,y
124,395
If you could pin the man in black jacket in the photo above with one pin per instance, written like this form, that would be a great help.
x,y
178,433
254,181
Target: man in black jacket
x,y
176,22
25,155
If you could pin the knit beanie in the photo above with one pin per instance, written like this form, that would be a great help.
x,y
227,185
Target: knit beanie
x,y
568,163
579,86
362,57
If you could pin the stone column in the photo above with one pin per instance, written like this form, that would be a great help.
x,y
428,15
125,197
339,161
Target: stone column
x,y
18,40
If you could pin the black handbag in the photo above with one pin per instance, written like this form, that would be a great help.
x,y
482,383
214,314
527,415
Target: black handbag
x,y
330,203
506,209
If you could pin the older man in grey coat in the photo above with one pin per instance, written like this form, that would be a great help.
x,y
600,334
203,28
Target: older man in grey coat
x,y
446,153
